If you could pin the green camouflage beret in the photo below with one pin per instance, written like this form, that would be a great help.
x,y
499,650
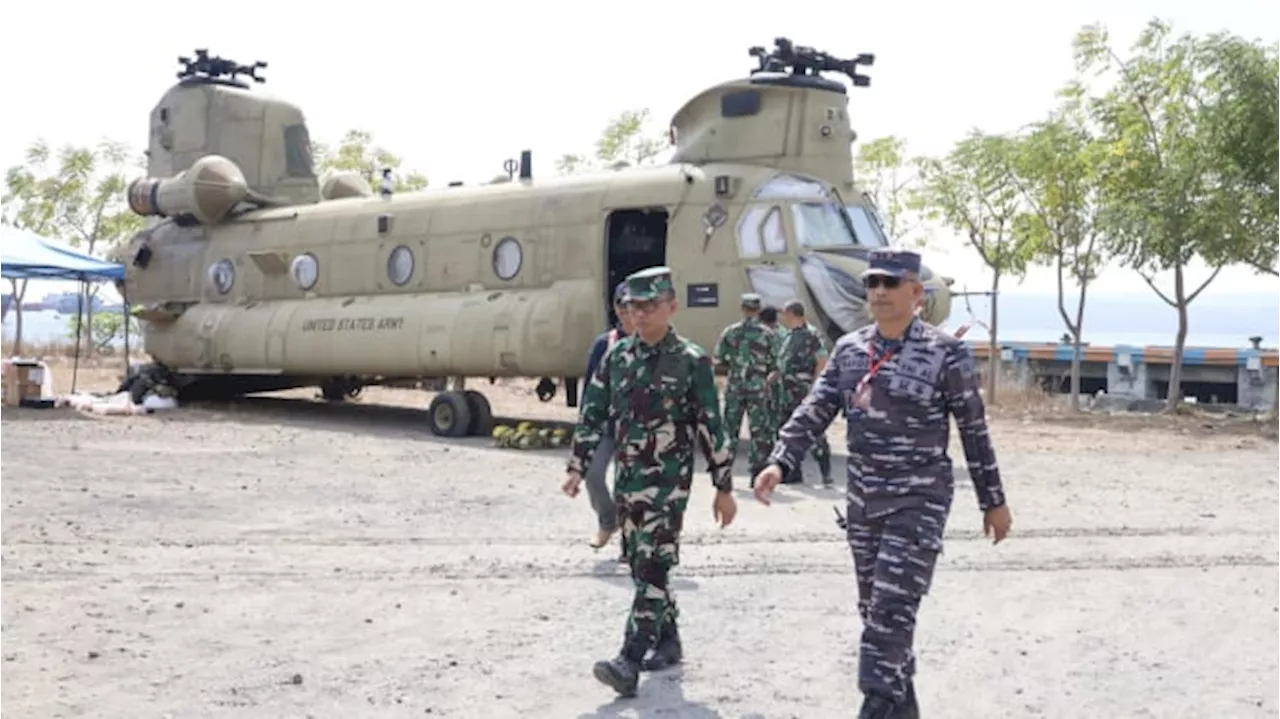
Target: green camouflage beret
x,y
648,284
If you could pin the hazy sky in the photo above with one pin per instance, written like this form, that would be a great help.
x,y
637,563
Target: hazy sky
x,y
458,92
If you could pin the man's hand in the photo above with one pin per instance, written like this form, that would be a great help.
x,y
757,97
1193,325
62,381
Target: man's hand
x,y
724,508
572,481
773,376
996,520
766,481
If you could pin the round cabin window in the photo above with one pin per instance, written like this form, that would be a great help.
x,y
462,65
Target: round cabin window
x,y
507,258
305,270
222,276
400,265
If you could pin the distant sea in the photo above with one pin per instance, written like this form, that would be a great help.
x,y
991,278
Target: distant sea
x,y
1225,320
47,326
1215,321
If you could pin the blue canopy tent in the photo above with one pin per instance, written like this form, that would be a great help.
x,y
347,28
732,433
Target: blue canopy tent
x,y
28,256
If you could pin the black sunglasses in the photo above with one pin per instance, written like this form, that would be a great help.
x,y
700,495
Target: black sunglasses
x,y
888,281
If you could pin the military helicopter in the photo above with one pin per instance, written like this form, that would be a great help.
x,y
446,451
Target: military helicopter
x,y
253,275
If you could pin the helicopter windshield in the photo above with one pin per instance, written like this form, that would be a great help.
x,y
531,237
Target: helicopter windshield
x,y
819,224
866,226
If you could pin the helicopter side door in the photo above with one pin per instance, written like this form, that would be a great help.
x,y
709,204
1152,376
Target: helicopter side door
x,y
636,238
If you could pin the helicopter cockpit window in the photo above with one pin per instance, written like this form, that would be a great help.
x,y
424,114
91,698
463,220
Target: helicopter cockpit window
x,y
771,231
866,227
742,103
819,224
760,231
791,187
297,151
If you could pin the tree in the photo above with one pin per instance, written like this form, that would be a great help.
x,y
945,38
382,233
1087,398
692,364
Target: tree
x,y
628,139
1243,127
357,153
882,168
107,327
95,214
77,197
1172,193
1056,168
972,191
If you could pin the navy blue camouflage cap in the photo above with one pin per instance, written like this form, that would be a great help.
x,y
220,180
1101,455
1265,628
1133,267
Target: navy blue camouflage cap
x,y
649,283
894,263
751,300
620,293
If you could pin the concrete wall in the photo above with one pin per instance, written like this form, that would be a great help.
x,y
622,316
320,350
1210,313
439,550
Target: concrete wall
x,y
1133,372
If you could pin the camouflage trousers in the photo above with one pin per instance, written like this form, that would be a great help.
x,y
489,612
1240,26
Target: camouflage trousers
x,y
652,535
893,558
759,424
778,413
793,394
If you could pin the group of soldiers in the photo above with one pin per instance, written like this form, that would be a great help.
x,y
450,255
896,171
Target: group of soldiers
x,y
652,400
770,366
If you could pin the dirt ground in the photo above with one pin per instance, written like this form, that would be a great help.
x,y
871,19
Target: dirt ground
x,y
281,557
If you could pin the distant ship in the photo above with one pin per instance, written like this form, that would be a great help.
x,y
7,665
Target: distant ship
x,y
64,303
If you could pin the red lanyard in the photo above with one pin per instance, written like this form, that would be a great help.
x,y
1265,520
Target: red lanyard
x,y
876,364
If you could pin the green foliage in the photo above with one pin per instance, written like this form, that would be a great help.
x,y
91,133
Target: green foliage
x,y
628,139
106,327
881,167
76,196
972,191
1190,128
1241,128
357,153
1057,169
1056,166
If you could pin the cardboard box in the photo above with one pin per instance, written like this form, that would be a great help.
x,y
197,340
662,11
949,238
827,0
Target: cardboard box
x,y
23,379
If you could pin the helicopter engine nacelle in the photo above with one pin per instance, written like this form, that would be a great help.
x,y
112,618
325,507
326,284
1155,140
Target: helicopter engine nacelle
x,y
341,185
206,191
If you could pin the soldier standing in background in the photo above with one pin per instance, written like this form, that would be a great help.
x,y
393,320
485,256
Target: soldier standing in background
x,y
602,500
769,318
749,352
804,356
897,381
660,390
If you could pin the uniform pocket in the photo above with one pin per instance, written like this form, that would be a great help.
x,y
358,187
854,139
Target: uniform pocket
x,y
909,388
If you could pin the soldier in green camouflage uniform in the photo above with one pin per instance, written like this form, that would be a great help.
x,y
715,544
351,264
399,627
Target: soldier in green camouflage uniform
x,y
769,318
804,354
660,390
749,350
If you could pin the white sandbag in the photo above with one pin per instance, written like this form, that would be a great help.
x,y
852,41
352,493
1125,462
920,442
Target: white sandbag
x,y
153,402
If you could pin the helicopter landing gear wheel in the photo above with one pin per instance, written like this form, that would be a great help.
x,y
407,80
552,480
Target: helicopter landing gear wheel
x,y
481,414
449,415
546,389
338,389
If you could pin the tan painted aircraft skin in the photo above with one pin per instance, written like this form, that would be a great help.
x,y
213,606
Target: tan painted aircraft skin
x,y
255,275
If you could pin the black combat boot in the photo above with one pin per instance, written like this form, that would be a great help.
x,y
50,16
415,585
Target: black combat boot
x,y
668,652
623,671
622,550
908,708
875,706
795,477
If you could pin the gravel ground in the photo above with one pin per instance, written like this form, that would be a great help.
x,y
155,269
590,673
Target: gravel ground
x,y
277,557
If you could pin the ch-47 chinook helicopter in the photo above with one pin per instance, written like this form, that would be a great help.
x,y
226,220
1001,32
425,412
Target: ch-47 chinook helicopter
x,y
254,276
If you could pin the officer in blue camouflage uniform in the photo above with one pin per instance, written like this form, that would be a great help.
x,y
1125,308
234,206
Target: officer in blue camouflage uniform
x,y
897,381
658,389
